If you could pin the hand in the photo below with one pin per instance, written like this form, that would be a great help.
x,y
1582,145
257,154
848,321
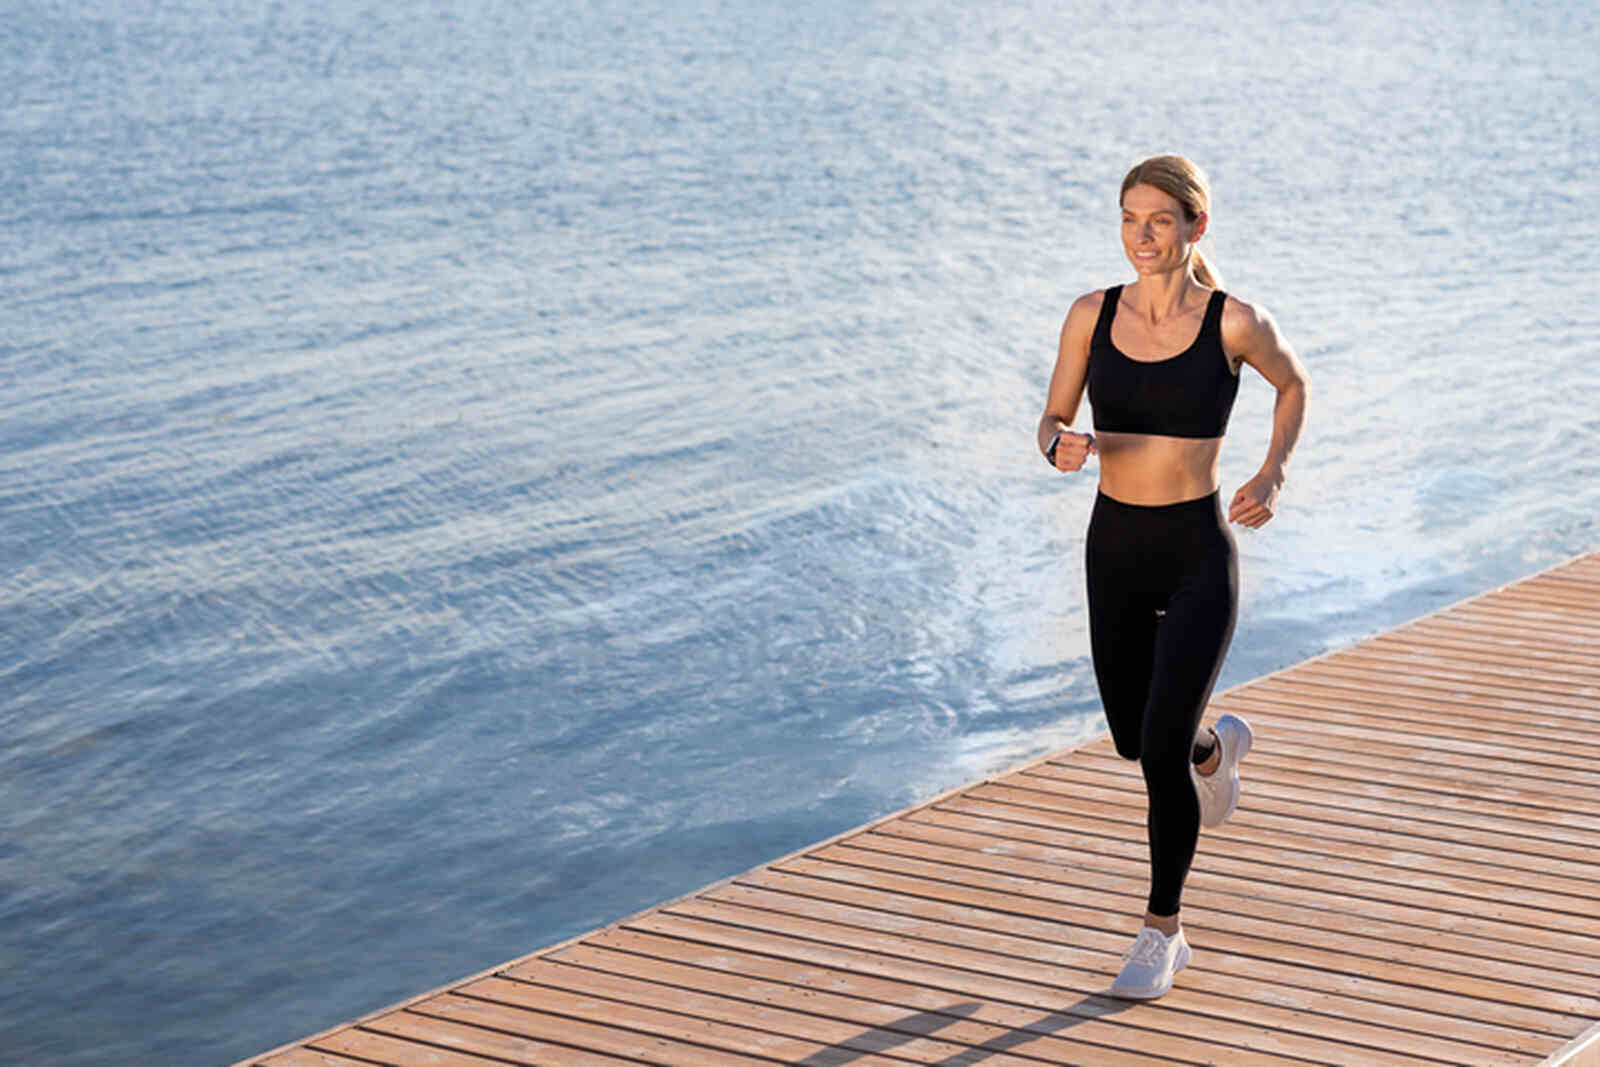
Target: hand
x,y
1073,449
1256,501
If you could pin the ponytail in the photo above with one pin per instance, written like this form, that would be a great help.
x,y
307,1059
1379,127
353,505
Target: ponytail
x,y
1204,272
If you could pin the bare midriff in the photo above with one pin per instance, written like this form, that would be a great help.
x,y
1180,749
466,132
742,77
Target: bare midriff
x,y
1149,469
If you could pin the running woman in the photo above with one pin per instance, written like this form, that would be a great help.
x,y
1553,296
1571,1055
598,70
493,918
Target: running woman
x,y
1160,358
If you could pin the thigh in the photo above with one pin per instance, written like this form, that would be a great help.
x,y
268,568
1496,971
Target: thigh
x,y
1192,642
1122,640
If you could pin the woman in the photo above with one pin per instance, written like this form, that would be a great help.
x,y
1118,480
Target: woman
x,y
1162,570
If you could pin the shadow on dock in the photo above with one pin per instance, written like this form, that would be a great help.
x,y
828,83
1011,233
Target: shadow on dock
x,y
929,1023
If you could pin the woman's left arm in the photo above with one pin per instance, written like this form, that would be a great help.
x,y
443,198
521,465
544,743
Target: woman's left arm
x,y
1251,332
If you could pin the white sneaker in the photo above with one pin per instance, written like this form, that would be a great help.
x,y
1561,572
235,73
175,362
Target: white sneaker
x,y
1219,790
1150,964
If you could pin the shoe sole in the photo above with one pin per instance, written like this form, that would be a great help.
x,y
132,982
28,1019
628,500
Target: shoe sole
x,y
1242,739
1178,964
1247,737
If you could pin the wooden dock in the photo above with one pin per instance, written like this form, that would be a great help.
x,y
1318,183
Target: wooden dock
x,y
1413,877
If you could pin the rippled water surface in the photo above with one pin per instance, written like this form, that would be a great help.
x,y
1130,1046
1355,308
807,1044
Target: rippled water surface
x,y
472,471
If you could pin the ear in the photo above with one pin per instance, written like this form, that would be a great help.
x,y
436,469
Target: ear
x,y
1200,225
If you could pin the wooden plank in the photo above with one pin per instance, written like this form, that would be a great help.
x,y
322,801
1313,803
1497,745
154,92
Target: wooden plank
x,y
1030,1007
1016,896
1267,825
1331,751
1312,887
417,1024
1528,737
941,1031
1413,877
1374,807
1246,846
1022,877
1570,693
736,1017
1025,942
1241,857
1490,981
1503,710
1554,627
1475,693
1482,612
1464,793
1289,908
1425,753
1492,630
1044,864
381,1048
987,958
1530,659
991,1026
1289,710
1581,1051
1432,800
1487,615
859,919
686,1015
1112,826
583,1027
1518,738
305,1057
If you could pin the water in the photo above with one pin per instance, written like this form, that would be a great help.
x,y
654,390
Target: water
x,y
471,472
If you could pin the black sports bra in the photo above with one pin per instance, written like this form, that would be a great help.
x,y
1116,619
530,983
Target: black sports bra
x,y
1187,395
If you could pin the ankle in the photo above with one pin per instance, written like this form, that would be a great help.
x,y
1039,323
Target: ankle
x,y
1168,925
1207,756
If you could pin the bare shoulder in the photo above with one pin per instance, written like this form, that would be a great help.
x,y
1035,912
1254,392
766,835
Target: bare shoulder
x,y
1087,305
1250,335
1077,334
1246,325
1084,311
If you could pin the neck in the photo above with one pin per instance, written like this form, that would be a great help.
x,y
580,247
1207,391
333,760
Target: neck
x,y
1161,296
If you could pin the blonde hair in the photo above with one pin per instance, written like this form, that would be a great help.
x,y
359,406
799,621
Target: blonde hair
x,y
1186,183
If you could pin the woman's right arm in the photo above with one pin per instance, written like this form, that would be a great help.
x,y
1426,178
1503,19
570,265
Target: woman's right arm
x,y
1066,386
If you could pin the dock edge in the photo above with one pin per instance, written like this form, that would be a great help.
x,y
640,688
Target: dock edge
x,y
1581,1051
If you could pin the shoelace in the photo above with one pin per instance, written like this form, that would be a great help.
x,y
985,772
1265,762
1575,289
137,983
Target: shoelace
x,y
1150,947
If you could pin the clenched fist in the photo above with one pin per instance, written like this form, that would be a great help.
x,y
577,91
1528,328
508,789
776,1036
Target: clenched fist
x,y
1069,451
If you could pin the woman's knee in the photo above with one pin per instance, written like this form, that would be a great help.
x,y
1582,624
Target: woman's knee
x,y
1126,723
1165,765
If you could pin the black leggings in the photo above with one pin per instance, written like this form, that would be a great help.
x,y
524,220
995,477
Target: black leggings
x,y
1163,591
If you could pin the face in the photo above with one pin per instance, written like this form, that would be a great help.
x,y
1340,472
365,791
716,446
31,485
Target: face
x,y
1155,234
